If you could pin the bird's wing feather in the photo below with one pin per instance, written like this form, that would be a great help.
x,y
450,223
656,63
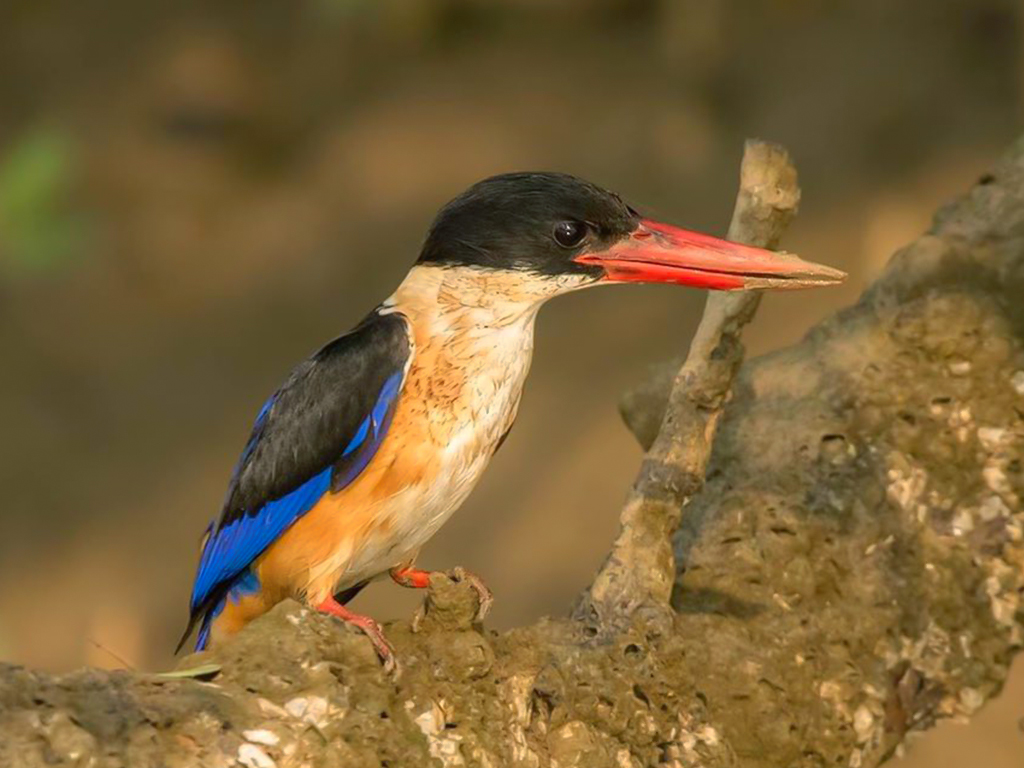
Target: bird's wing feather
x,y
316,433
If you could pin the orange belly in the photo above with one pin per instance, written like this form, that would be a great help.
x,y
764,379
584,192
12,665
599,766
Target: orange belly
x,y
314,558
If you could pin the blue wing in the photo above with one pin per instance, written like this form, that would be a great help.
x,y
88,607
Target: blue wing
x,y
317,433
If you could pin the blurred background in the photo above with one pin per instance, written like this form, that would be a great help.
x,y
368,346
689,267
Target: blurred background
x,y
195,195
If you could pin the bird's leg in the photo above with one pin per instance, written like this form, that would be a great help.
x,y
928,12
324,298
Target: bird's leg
x,y
369,627
407,576
415,578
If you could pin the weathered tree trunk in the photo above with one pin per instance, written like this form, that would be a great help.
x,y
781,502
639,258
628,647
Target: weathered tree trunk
x,y
852,570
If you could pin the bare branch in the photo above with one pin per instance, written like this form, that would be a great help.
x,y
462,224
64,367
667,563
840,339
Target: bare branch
x,y
640,568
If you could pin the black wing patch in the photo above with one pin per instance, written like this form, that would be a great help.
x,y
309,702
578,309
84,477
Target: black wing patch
x,y
318,432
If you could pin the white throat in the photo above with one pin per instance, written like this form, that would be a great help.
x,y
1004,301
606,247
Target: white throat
x,y
493,298
472,338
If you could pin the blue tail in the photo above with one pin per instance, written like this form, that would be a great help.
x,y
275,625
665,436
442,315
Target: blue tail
x,y
247,583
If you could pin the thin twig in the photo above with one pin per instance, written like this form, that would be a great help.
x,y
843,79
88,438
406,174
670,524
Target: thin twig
x,y
640,568
117,657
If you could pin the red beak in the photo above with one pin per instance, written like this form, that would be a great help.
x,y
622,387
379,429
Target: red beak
x,y
661,253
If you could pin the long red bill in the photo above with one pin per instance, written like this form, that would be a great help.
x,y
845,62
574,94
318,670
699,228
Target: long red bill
x,y
661,253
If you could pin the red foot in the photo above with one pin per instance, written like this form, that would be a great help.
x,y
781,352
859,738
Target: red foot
x,y
411,577
415,578
370,627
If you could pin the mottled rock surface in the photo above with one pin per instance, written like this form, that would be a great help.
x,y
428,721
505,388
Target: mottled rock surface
x,y
856,556
852,571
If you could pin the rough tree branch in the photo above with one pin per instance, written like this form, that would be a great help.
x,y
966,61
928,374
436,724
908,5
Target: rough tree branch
x,y
851,570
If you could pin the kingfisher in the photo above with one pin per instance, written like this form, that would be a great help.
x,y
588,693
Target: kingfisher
x,y
374,441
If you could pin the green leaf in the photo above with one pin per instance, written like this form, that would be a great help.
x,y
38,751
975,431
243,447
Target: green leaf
x,y
203,670
38,231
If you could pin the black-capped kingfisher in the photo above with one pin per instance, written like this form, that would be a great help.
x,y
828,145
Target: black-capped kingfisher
x,y
373,442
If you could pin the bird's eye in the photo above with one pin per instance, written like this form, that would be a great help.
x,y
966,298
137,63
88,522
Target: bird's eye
x,y
569,234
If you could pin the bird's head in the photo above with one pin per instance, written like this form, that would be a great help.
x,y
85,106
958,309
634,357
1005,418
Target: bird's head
x,y
550,233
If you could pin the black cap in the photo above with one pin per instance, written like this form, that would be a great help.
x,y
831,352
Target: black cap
x,y
533,222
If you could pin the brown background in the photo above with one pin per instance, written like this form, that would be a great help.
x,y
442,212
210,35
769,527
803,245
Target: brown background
x,y
195,195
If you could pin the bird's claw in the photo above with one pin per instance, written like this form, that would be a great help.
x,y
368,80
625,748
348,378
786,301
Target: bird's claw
x,y
385,651
485,598
369,627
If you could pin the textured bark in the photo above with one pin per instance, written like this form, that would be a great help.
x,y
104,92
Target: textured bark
x,y
851,571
